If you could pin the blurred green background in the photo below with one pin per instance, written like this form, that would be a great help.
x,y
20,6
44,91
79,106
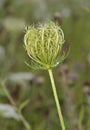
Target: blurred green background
x,y
72,77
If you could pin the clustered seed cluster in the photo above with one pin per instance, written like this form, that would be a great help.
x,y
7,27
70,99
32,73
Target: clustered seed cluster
x,y
43,45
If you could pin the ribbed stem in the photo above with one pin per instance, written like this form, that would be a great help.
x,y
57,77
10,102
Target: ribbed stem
x,y
56,99
24,121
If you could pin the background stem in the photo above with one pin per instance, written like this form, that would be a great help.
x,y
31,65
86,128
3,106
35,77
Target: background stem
x,y
56,99
24,121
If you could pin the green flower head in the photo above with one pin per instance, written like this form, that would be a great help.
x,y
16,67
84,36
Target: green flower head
x,y
43,45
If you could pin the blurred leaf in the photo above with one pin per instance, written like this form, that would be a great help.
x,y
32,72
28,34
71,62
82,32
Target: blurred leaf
x,y
23,104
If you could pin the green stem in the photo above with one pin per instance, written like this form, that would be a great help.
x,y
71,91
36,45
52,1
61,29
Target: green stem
x,y
81,115
24,121
56,99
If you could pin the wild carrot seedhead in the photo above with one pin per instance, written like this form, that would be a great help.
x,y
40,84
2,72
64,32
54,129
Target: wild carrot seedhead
x,y
43,45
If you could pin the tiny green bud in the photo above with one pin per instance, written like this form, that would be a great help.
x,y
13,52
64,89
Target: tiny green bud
x,y
43,45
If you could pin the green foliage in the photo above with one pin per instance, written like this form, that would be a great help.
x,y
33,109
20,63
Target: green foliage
x,y
22,105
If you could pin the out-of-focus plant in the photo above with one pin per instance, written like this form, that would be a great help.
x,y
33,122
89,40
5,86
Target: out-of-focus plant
x,y
17,109
44,45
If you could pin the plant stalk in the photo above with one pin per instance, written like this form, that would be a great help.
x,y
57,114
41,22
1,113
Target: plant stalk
x,y
24,121
56,99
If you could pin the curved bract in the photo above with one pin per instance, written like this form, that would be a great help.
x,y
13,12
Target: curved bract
x,y
43,45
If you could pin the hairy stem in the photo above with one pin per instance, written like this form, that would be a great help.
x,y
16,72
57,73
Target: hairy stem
x,y
24,121
56,99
